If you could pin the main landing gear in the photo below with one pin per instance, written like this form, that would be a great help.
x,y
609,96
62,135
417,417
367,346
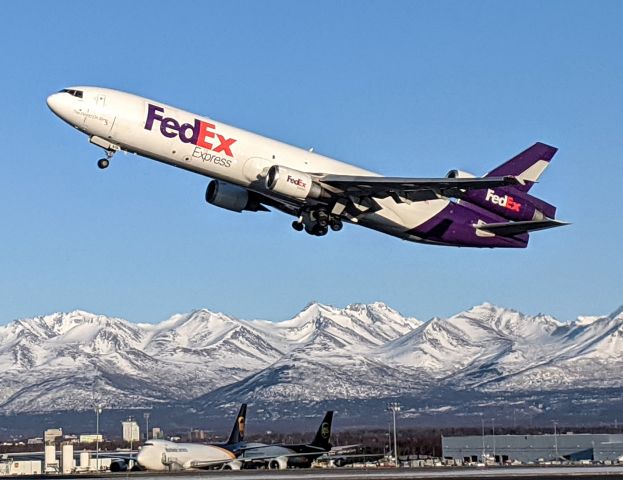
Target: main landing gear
x,y
317,222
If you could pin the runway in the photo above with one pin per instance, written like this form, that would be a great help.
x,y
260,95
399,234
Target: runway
x,y
490,473
558,473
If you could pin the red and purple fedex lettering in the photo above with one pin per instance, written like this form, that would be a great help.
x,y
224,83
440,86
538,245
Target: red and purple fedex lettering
x,y
199,133
506,201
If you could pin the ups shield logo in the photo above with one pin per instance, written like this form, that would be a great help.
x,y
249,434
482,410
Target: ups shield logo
x,y
324,430
241,426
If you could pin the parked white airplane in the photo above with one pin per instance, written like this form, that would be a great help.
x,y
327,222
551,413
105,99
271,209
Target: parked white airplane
x,y
252,173
160,455
236,453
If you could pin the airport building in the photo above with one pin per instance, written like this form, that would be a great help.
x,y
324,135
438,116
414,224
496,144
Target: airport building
x,y
131,431
534,448
91,438
51,435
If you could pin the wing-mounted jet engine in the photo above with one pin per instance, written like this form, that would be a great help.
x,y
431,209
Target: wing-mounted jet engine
x,y
293,183
232,197
315,219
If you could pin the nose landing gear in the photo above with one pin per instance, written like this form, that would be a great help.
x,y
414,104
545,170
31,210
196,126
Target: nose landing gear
x,y
109,148
317,222
105,162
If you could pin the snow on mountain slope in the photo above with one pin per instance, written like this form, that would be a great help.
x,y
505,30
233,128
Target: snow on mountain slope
x,y
360,325
328,353
323,353
179,358
129,364
586,354
478,337
203,337
492,348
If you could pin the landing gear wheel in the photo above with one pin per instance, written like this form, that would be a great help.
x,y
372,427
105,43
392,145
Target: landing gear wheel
x,y
298,226
103,163
322,218
320,231
336,224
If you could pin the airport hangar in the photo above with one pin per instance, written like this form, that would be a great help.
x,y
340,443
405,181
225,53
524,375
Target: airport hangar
x,y
535,448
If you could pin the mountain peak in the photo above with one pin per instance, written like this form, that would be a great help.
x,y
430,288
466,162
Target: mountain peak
x,y
364,306
486,348
616,313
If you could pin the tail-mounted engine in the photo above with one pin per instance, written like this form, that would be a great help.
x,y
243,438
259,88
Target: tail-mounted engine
x,y
459,174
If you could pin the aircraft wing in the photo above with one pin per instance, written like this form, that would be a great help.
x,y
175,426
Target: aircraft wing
x,y
413,189
344,448
208,463
259,458
268,456
122,455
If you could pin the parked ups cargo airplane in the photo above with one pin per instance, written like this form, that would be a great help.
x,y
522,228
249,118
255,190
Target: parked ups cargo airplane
x,y
283,455
161,455
235,454
252,173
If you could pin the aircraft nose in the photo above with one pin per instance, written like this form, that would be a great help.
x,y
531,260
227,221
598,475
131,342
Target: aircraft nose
x,y
148,459
53,102
140,458
61,106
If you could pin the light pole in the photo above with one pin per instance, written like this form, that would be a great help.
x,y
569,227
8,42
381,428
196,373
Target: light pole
x,y
146,417
482,421
394,407
556,438
98,411
493,434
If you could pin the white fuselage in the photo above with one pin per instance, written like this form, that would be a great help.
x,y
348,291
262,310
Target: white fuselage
x,y
214,149
159,455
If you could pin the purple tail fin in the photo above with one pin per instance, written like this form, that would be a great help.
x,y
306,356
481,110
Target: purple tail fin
x,y
527,166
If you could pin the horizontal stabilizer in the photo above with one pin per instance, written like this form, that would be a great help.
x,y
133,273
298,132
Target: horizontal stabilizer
x,y
509,229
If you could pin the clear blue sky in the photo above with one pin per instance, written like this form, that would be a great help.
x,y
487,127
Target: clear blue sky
x,y
403,88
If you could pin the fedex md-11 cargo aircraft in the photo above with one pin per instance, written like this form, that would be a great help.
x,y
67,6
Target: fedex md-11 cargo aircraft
x,y
252,173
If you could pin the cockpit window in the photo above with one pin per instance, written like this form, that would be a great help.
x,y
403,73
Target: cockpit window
x,y
73,93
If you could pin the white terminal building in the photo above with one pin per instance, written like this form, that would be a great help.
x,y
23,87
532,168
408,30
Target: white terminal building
x,y
91,438
131,431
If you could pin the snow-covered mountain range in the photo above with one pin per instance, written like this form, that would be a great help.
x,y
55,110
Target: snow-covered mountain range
x,y
359,353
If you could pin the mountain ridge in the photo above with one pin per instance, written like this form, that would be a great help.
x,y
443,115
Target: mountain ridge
x,y
324,353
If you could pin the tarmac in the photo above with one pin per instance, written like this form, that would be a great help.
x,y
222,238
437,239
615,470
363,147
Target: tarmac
x,y
489,473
